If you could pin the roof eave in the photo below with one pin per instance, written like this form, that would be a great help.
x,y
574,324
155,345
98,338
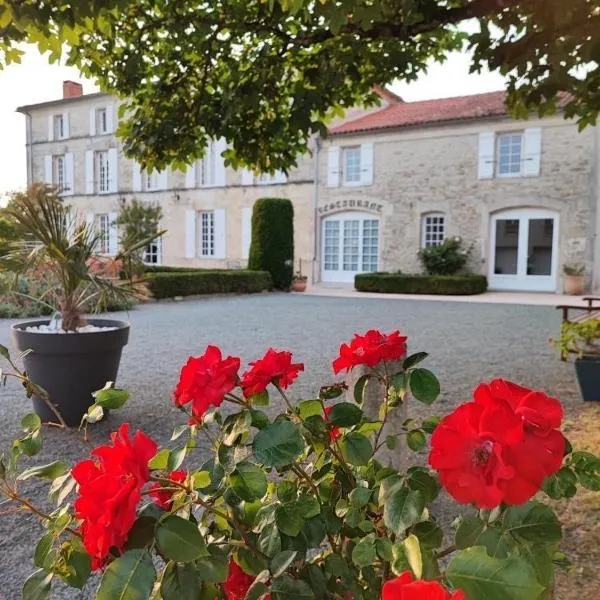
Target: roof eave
x,y
28,107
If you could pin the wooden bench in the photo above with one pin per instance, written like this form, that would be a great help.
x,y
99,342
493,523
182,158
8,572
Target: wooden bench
x,y
585,313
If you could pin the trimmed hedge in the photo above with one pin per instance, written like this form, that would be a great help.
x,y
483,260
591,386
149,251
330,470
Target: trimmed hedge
x,y
272,246
188,283
166,269
396,283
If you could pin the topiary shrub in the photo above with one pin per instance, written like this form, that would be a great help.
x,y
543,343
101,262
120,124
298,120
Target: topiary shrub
x,y
394,283
272,246
188,283
448,258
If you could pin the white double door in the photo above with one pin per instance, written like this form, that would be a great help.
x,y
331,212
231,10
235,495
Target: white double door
x,y
524,250
350,245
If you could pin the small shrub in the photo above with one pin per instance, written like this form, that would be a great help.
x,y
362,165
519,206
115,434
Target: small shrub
x,y
186,283
392,283
573,270
272,246
449,258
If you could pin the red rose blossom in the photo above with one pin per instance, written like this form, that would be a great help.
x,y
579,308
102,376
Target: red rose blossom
x,y
238,583
334,432
370,349
500,447
162,497
274,367
204,380
405,587
109,491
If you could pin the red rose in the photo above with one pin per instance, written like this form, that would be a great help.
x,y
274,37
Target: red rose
x,y
370,349
205,380
274,367
238,583
334,432
110,490
405,587
162,497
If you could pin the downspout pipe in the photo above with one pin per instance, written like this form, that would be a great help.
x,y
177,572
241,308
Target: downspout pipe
x,y
596,200
315,209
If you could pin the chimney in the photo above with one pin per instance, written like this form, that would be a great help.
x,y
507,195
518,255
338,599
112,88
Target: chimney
x,y
72,89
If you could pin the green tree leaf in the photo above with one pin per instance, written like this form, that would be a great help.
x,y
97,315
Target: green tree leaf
x,y
286,588
344,414
356,449
482,576
129,577
179,539
424,386
37,586
533,522
402,509
180,582
248,481
278,444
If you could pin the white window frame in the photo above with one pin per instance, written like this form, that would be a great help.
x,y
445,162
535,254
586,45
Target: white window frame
x,y
499,138
102,120
58,126
102,170
206,234
345,153
429,237
151,181
154,249
59,172
103,228
207,166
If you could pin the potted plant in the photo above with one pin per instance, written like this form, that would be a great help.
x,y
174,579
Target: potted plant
x,y
574,281
583,339
299,280
67,356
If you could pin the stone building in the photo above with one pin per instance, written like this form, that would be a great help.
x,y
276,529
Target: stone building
x,y
382,185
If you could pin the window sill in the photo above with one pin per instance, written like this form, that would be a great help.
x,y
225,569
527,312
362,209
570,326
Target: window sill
x,y
352,183
508,175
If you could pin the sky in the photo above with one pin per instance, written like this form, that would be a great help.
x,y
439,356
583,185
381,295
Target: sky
x,y
35,80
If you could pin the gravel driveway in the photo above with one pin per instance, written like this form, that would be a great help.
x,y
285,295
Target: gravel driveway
x,y
467,342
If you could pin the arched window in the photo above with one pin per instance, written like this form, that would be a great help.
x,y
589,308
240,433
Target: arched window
x,y
433,229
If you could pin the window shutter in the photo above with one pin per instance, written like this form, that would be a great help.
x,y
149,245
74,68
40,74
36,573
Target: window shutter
x,y
190,233
190,176
162,180
113,170
487,142
66,128
89,172
366,164
532,143
110,118
219,174
247,177
333,166
220,233
92,122
69,179
136,177
113,234
246,231
50,128
48,169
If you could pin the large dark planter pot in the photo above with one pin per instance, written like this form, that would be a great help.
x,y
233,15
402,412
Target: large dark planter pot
x,y
70,366
587,369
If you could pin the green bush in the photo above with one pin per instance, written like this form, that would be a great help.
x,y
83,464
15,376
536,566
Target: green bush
x,y
394,283
448,258
186,283
166,269
272,247
15,310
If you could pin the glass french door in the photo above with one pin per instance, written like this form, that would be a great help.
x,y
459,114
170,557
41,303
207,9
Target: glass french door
x,y
524,250
350,246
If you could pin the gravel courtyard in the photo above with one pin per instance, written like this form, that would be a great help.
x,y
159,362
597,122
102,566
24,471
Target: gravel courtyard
x,y
467,342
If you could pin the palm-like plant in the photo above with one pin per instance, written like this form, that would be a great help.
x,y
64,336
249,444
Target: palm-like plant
x,y
53,237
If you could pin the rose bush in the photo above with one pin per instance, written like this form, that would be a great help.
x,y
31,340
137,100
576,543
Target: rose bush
x,y
299,505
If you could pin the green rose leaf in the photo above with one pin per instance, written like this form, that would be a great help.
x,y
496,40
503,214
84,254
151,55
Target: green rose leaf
x,y
248,481
50,471
129,577
80,567
310,408
365,552
533,522
561,485
160,460
179,539
422,480
469,529
403,508
414,359
111,398
424,386
429,533
31,422
429,425
258,419
42,549
360,496
345,414
356,449
289,519
278,444
142,532
176,458
360,387
260,399
180,582
540,558
282,561
483,576
308,506
32,443
286,588
412,550
213,568
385,549
179,431
37,586
269,540
200,479
416,440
